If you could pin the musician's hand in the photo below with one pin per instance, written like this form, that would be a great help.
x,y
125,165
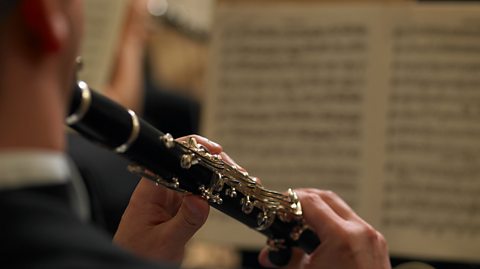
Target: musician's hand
x,y
158,222
347,241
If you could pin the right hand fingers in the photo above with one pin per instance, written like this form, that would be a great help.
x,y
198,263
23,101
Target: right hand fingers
x,y
334,201
319,214
342,233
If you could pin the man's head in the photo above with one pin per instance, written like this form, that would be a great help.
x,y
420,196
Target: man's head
x,y
39,41
43,31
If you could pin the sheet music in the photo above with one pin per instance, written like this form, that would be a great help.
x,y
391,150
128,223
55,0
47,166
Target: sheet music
x,y
286,106
103,23
432,168
334,97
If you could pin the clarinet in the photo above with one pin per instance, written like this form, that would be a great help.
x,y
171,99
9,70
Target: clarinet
x,y
187,166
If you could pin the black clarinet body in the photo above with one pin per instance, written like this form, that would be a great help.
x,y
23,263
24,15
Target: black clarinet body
x,y
188,167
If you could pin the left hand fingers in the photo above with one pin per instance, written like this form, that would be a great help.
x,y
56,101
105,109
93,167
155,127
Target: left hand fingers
x,y
226,158
211,146
162,203
191,215
215,148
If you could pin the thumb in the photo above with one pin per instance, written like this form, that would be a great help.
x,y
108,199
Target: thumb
x,y
192,214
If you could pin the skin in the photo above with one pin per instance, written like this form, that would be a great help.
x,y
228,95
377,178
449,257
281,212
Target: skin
x,y
347,241
37,52
158,222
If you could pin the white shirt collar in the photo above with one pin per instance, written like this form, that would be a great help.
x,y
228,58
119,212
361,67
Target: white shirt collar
x,y
32,168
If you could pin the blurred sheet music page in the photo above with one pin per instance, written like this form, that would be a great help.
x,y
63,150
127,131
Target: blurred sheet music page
x,y
103,23
378,103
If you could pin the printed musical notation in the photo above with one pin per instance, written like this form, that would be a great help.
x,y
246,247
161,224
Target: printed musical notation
x,y
378,103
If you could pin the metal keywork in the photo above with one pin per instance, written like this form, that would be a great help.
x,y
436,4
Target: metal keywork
x,y
276,244
247,205
297,231
231,192
217,182
168,140
174,184
295,206
187,161
208,195
264,220
233,180
229,179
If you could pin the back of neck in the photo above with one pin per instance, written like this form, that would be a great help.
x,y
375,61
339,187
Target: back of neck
x,y
31,108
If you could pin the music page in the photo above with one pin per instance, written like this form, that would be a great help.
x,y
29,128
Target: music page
x,y
103,23
378,103
286,96
431,204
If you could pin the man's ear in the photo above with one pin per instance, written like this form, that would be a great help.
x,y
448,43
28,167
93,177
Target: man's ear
x,y
45,23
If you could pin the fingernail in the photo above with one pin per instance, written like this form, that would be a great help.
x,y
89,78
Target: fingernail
x,y
214,144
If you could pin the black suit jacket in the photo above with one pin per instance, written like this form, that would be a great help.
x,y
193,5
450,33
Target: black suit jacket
x,y
38,229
